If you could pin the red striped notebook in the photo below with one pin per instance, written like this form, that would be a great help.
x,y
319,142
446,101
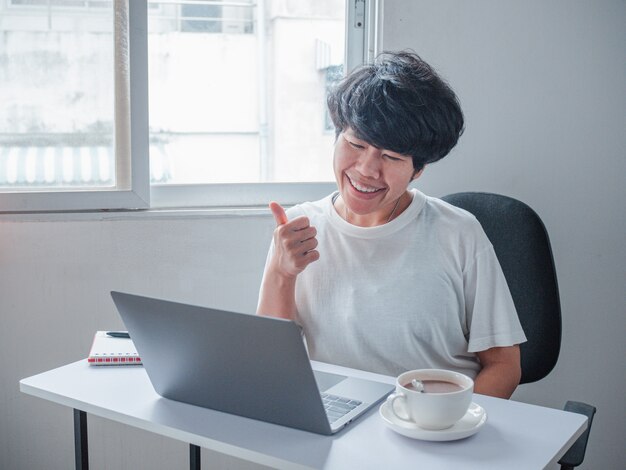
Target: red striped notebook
x,y
108,351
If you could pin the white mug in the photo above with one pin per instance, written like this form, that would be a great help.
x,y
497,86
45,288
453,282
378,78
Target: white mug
x,y
432,408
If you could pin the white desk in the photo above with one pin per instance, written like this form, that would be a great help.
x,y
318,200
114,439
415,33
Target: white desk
x,y
516,436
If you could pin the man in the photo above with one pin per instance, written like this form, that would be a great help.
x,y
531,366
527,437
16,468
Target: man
x,y
382,277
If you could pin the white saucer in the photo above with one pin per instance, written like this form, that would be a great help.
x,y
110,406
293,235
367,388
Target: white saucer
x,y
474,419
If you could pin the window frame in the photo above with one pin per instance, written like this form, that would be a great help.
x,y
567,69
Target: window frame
x,y
134,191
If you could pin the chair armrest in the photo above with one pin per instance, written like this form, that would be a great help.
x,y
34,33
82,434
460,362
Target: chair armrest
x,y
575,455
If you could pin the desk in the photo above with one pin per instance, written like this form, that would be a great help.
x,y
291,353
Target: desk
x,y
516,436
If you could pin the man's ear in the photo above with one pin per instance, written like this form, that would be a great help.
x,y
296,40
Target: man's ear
x,y
417,174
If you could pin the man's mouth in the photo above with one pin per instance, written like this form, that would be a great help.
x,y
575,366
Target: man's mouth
x,y
361,188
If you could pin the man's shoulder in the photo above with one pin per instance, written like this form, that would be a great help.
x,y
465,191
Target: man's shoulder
x,y
440,211
311,209
453,226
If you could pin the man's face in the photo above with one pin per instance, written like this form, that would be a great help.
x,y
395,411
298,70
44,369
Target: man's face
x,y
370,179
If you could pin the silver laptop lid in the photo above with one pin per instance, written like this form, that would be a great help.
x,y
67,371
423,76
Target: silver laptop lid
x,y
243,364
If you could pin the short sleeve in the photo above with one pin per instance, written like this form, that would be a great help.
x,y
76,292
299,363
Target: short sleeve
x,y
492,319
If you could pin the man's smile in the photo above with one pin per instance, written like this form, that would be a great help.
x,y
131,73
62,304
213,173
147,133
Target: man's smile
x,y
363,188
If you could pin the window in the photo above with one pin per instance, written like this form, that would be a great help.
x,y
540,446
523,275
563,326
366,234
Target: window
x,y
217,103
73,118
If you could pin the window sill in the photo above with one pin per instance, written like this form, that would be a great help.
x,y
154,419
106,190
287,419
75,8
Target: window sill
x,y
136,214
194,201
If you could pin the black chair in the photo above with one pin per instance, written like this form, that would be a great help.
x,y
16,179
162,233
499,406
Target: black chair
x,y
523,249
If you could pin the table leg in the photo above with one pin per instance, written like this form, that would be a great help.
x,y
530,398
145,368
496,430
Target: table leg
x,y
194,457
80,440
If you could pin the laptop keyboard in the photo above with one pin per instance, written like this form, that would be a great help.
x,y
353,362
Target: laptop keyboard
x,y
336,407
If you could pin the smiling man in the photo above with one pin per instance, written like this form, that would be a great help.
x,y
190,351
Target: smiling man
x,y
382,277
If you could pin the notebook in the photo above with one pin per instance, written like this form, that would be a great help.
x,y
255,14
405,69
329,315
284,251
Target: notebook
x,y
243,364
108,351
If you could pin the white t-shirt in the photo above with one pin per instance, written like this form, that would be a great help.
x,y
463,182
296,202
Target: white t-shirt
x,y
422,291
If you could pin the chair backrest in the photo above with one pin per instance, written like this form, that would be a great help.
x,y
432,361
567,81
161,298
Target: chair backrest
x,y
523,249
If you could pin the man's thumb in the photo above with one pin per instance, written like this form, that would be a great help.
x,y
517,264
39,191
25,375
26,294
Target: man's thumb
x,y
279,213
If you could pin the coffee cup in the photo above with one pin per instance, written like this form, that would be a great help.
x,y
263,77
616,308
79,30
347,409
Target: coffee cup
x,y
433,399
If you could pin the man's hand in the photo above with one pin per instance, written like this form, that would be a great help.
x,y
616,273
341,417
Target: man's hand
x,y
294,243
294,250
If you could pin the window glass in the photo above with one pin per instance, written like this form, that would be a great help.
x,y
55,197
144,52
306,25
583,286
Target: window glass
x,y
234,92
57,95
237,89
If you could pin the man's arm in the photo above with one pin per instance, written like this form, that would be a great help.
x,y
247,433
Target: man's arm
x,y
501,371
294,250
278,296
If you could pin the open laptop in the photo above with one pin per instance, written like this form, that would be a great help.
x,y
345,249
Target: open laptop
x,y
243,364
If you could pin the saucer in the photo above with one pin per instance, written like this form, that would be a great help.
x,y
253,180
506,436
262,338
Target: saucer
x,y
474,419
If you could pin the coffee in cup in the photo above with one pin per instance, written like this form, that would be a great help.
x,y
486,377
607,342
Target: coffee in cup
x,y
431,398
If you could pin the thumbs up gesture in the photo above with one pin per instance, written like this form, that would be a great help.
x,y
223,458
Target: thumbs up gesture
x,y
294,243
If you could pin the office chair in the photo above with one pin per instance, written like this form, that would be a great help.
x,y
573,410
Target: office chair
x,y
522,246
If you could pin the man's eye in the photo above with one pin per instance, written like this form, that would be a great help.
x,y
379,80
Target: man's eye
x,y
356,146
393,159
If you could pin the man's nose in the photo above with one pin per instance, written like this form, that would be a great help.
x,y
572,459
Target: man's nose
x,y
369,163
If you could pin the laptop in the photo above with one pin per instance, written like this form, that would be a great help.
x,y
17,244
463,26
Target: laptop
x,y
248,365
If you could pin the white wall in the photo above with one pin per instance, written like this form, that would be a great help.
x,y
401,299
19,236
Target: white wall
x,y
542,86
54,285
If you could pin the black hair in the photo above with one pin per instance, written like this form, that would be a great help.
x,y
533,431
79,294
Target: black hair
x,y
399,103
